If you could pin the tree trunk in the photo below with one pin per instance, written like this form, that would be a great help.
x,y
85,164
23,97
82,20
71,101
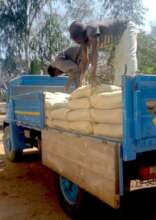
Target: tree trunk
x,y
27,53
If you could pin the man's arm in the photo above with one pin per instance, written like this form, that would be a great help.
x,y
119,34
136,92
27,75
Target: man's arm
x,y
69,83
83,63
94,61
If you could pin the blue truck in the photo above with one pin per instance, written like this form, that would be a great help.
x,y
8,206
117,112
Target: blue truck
x,y
105,167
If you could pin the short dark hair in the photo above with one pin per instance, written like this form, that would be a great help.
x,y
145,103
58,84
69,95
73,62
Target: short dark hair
x,y
77,30
51,71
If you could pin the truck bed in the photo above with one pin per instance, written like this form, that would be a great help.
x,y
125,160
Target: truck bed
x,y
139,119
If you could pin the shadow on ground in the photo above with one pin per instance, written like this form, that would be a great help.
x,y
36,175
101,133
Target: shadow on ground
x,y
139,205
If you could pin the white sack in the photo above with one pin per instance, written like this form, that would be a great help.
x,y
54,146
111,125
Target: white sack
x,y
84,127
60,114
82,103
79,115
87,91
107,100
112,116
56,100
108,130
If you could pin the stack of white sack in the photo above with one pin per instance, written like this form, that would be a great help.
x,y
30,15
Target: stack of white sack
x,y
60,112
79,114
88,110
96,110
106,113
56,110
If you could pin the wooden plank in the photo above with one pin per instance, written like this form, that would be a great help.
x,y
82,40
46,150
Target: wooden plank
x,y
88,162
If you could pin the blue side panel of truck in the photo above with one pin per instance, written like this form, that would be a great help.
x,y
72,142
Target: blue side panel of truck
x,y
25,99
29,83
29,110
139,119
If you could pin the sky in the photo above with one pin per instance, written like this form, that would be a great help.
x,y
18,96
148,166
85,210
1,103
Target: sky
x,y
150,14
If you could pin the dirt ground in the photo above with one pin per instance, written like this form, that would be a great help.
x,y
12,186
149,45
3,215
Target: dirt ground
x,y
27,190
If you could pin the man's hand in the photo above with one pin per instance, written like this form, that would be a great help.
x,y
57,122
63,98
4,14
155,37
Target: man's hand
x,y
83,64
69,83
93,81
65,89
94,62
81,79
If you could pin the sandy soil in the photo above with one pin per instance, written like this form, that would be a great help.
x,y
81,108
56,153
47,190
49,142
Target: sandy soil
x,y
27,190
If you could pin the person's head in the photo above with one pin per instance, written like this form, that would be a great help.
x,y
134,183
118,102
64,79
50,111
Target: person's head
x,y
78,32
53,71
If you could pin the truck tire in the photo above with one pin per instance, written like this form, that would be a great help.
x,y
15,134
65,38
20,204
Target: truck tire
x,y
12,154
70,195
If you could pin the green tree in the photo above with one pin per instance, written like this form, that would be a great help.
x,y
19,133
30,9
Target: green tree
x,y
17,18
80,10
146,53
153,29
49,38
126,9
9,64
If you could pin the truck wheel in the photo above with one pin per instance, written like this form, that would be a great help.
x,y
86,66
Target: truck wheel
x,y
12,154
70,195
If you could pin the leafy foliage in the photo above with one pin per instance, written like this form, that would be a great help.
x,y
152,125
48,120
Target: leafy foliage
x,y
80,10
17,18
49,38
146,53
126,9
153,29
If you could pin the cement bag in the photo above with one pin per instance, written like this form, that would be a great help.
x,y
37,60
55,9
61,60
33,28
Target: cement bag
x,y
79,115
58,124
108,130
104,88
82,92
84,127
107,100
112,116
82,103
87,91
51,104
60,114
56,100
50,95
